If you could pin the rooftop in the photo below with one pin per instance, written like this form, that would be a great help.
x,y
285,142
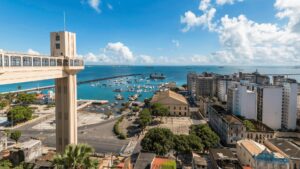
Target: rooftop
x,y
168,94
144,160
158,163
287,147
222,154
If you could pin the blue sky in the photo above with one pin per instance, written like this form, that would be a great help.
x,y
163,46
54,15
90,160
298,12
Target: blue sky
x,y
153,31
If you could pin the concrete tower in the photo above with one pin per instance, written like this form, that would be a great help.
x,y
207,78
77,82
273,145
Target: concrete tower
x,y
63,44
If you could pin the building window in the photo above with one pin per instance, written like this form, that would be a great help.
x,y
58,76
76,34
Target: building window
x,y
6,61
15,61
57,46
27,61
57,38
0,60
36,61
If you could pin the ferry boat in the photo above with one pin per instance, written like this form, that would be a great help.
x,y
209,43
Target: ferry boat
x,y
154,76
119,97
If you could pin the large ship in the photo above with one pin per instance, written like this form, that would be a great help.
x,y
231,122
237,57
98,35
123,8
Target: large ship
x,y
157,76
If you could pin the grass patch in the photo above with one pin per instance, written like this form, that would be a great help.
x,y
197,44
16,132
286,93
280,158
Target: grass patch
x,y
117,130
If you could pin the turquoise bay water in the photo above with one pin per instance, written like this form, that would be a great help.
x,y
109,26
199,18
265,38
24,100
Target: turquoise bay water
x,y
173,73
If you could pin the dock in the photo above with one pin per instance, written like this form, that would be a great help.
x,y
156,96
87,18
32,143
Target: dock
x,y
78,83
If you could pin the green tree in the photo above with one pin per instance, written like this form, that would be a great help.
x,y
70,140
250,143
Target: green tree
x,y
249,125
147,102
158,140
187,143
3,103
15,135
157,109
5,164
144,118
25,99
209,138
76,157
19,114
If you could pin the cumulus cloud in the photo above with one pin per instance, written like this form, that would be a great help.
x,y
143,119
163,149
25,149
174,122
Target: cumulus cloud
x,y
223,2
120,50
245,41
95,5
190,20
33,52
146,59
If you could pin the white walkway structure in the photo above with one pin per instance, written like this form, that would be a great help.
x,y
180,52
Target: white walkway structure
x,y
62,66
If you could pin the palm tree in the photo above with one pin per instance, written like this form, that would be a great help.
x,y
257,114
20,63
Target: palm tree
x,y
76,157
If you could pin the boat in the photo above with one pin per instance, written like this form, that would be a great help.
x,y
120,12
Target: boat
x,y
119,97
154,76
118,90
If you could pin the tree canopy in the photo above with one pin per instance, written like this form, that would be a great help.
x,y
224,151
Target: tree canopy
x,y
144,118
15,135
24,98
76,157
208,137
187,143
19,114
249,125
157,109
158,140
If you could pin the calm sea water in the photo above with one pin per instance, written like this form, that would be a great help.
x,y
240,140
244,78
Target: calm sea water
x,y
173,73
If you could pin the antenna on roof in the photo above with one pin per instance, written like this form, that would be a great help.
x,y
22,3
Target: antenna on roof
x,y
64,21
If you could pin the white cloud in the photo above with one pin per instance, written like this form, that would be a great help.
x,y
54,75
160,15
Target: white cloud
x,y
146,59
245,41
204,4
120,50
176,43
95,5
223,2
191,20
33,52
289,9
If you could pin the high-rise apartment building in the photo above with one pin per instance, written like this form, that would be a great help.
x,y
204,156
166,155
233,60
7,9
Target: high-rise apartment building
x,y
269,105
201,85
242,101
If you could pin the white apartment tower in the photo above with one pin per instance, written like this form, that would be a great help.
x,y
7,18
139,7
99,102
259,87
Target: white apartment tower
x,y
289,105
269,105
242,101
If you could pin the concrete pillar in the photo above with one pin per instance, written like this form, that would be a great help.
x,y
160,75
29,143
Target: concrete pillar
x,y
66,111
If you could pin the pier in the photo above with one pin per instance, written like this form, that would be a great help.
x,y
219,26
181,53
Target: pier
x,y
78,83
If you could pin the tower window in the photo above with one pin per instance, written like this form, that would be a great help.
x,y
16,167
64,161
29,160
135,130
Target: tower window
x,y
57,38
57,46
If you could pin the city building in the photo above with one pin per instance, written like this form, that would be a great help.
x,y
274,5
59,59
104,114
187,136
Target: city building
x,y
26,151
176,103
287,148
242,101
229,128
223,158
254,77
204,84
199,162
289,107
144,160
255,155
260,132
223,84
269,105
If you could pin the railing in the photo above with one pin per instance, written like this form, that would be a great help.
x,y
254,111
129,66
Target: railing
x,y
28,60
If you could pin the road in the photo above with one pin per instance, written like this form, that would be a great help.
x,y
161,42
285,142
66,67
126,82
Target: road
x,y
100,136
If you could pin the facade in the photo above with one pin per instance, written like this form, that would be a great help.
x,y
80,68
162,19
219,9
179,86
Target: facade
x,y
27,151
176,103
201,85
269,105
223,158
229,128
289,107
199,162
242,101
223,85
287,148
260,133
257,156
